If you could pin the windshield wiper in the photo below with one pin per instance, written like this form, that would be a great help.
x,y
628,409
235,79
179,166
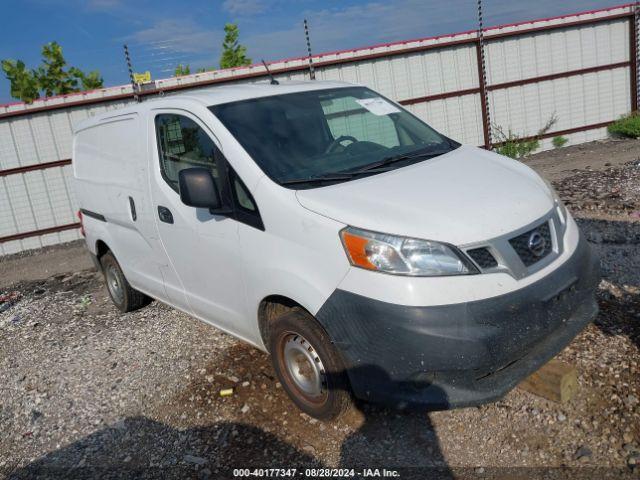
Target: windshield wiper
x,y
371,168
387,161
326,177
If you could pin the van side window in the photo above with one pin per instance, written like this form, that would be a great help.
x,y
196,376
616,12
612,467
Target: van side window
x,y
182,143
242,195
246,209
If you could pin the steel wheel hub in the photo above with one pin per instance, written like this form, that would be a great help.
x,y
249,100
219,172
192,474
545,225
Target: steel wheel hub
x,y
304,366
114,285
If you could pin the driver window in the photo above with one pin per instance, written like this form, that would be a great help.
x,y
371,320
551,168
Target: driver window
x,y
182,143
346,117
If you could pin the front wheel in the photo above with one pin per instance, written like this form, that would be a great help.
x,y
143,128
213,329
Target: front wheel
x,y
308,366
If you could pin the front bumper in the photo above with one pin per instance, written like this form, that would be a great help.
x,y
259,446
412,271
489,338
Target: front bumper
x,y
463,354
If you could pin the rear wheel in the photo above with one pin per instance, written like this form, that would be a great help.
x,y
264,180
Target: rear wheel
x,y
123,295
308,366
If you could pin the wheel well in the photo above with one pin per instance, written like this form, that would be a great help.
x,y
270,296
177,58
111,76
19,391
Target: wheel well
x,y
101,248
271,308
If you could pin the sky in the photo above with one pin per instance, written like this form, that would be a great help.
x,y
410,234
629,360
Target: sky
x,y
163,33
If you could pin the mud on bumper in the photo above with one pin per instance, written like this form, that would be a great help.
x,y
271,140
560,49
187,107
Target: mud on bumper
x,y
464,354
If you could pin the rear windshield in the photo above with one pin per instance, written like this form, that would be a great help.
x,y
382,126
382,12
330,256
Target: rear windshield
x,y
328,134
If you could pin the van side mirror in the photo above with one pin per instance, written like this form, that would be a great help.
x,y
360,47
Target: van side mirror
x,y
198,189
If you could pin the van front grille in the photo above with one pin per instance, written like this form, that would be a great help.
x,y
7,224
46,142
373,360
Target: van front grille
x,y
483,258
534,245
521,252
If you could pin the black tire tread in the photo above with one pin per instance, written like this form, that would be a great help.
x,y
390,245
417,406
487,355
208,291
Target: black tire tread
x,y
133,299
302,322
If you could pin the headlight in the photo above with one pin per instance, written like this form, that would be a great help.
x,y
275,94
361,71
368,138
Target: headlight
x,y
402,255
561,209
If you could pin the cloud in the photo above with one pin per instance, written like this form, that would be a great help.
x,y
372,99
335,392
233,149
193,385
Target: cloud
x,y
180,39
167,43
244,7
355,26
177,35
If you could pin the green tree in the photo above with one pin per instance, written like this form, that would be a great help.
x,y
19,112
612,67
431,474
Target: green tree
x,y
233,54
182,70
52,77
89,81
24,84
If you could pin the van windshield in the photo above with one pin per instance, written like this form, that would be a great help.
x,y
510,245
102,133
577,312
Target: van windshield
x,y
310,139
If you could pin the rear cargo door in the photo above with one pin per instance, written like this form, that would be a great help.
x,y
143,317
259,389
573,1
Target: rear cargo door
x,y
112,184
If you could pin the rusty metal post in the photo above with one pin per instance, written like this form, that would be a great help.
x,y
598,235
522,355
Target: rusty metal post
x,y
634,56
312,73
482,80
134,86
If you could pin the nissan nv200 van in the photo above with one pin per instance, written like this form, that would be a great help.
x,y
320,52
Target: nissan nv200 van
x,y
371,256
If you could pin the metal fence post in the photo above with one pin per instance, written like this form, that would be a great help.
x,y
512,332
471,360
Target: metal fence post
x,y
634,56
482,81
312,72
134,86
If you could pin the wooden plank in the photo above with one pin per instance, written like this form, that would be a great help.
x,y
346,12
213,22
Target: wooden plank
x,y
555,381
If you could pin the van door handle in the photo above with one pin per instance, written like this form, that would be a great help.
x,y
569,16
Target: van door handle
x,y
165,214
132,206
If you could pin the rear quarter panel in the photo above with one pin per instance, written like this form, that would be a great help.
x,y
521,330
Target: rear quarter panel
x,y
109,163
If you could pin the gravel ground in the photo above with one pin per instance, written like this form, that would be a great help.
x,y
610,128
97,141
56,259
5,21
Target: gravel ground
x,y
87,391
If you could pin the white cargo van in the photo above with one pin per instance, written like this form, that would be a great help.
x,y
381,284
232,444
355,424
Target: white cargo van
x,y
371,256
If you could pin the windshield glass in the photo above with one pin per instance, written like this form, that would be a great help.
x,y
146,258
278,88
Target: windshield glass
x,y
321,136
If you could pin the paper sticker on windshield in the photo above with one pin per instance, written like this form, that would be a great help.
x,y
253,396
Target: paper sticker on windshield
x,y
378,106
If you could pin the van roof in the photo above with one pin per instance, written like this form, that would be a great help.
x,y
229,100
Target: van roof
x,y
234,93
215,96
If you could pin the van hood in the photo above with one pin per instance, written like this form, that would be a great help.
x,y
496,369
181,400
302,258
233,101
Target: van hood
x,y
465,196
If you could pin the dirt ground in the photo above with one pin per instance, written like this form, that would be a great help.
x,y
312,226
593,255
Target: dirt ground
x,y
86,391
44,263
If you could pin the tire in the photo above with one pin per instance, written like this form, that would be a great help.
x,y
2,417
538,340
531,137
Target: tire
x,y
125,297
309,366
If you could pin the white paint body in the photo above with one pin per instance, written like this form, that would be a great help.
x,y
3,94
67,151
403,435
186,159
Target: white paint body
x,y
219,270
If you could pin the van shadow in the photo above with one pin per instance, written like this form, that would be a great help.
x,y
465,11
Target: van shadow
x,y
139,447
402,440
392,437
617,243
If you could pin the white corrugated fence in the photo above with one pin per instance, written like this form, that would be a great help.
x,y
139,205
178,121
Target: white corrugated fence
x,y
582,68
